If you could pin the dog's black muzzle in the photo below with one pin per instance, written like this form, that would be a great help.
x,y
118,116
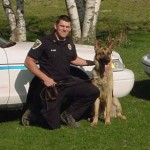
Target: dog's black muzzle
x,y
105,61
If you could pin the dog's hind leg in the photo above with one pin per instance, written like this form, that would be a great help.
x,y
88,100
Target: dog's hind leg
x,y
117,104
96,112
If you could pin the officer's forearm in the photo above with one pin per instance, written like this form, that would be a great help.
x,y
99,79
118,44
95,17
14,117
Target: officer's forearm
x,y
30,63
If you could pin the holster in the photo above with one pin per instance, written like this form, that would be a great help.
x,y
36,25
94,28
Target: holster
x,y
49,93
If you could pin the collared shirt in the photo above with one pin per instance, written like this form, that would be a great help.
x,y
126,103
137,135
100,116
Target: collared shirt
x,y
54,56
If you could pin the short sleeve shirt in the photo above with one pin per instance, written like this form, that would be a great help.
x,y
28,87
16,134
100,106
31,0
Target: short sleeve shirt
x,y
54,56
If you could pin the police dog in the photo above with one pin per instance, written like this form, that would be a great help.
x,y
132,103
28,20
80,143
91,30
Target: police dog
x,y
106,104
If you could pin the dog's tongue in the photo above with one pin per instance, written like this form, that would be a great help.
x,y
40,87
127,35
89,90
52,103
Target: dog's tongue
x,y
106,67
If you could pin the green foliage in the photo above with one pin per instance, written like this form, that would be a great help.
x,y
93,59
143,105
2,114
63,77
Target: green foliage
x,y
132,16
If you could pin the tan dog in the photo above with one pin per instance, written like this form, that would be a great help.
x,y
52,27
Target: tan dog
x,y
106,105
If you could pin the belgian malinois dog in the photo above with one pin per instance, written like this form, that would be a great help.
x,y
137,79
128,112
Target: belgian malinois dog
x,y
106,105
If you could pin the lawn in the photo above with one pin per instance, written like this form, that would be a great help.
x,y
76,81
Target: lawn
x,y
133,134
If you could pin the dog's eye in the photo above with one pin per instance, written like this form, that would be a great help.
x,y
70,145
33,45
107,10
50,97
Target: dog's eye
x,y
102,53
109,53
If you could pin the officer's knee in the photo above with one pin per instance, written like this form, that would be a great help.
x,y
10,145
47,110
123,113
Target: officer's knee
x,y
95,91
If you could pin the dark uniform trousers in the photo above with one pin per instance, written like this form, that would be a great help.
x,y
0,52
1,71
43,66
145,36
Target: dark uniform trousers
x,y
75,99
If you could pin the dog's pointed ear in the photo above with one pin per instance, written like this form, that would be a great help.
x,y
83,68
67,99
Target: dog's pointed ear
x,y
97,44
111,44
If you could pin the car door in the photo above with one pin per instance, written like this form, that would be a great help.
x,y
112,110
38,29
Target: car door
x,y
19,75
4,79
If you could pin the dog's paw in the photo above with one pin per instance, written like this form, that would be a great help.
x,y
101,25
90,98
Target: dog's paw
x,y
123,118
107,121
93,123
119,115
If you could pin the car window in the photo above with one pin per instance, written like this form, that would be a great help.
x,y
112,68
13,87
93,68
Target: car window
x,y
4,43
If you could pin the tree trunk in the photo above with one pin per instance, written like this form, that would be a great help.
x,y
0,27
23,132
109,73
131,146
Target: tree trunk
x,y
21,28
72,10
87,34
16,22
10,14
86,14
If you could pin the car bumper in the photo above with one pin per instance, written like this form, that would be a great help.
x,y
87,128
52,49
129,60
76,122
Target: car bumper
x,y
123,82
146,64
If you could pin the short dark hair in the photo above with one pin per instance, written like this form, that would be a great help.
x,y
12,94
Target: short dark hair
x,y
64,18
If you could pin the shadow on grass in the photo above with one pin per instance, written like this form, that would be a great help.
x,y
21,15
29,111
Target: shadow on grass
x,y
15,115
141,89
10,115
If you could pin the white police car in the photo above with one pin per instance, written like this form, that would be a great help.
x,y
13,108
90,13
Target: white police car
x,y
146,63
15,78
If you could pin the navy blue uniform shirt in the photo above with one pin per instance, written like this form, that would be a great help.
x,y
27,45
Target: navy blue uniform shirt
x,y
54,56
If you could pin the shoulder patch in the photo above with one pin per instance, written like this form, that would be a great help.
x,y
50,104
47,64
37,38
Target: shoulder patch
x,y
36,44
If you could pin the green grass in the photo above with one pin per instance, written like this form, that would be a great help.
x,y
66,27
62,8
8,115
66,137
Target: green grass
x,y
133,134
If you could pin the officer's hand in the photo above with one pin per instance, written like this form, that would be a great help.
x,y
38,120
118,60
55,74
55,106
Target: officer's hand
x,y
49,82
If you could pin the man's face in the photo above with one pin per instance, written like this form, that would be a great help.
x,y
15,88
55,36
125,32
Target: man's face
x,y
62,28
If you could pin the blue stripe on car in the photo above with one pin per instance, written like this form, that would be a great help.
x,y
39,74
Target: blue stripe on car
x,y
12,67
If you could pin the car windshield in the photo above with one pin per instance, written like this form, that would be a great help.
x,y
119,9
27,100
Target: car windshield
x,y
4,43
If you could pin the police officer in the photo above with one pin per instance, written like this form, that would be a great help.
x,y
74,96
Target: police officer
x,y
54,54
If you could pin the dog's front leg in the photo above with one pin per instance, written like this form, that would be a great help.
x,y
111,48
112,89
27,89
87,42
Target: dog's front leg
x,y
108,109
96,112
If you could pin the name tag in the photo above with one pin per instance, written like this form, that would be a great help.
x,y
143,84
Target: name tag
x,y
53,50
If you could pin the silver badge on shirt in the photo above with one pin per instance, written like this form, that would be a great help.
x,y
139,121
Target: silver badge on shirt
x,y
69,46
